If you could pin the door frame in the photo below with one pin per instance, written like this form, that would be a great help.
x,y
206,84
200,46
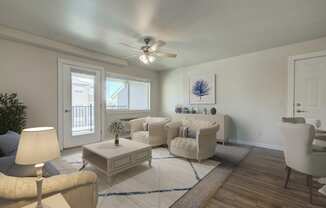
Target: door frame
x,y
61,62
291,77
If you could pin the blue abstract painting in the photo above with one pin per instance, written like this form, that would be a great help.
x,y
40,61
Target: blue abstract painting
x,y
202,89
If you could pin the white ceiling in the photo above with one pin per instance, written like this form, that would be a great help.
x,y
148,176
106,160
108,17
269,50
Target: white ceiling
x,y
198,30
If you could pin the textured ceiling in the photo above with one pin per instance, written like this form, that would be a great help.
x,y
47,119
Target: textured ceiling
x,y
198,31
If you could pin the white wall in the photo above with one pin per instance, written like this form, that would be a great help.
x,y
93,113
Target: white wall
x,y
251,88
32,73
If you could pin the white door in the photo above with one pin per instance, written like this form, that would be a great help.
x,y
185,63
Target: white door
x,y
310,89
81,105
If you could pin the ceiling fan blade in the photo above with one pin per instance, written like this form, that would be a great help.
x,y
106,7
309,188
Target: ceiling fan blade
x,y
132,56
164,54
156,45
130,46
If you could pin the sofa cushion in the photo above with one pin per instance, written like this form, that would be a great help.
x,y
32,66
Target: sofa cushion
x,y
141,136
184,147
183,131
9,143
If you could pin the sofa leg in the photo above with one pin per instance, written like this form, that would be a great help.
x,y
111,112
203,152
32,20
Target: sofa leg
x,y
287,177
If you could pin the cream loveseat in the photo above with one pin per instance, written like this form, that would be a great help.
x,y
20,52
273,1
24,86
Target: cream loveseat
x,y
78,188
149,130
200,145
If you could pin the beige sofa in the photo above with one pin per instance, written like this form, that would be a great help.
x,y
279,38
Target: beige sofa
x,y
79,189
149,130
201,147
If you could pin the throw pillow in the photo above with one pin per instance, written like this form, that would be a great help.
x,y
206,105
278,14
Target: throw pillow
x,y
145,126
9,143
192,133
183,130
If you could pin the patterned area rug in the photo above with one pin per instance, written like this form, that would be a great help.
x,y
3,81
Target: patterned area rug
x,y
165,182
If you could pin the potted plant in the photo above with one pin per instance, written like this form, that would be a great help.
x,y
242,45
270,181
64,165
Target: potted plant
x,y
116,128
12,113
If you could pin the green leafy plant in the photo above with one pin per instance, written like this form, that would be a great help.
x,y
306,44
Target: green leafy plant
x,y
12,113
116,127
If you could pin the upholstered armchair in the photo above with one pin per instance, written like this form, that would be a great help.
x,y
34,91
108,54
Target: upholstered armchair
x,y
320,135
300,153
192,139
149,130
78,188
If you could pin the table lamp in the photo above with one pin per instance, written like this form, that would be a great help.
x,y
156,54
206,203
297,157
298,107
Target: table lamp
x,y
36,146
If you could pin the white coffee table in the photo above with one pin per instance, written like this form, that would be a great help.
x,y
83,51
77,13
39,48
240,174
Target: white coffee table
x,y
112,159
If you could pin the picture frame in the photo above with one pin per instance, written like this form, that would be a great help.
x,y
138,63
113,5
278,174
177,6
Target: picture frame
x,y
202,89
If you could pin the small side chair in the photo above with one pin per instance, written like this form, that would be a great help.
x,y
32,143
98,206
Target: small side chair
x,y
300,153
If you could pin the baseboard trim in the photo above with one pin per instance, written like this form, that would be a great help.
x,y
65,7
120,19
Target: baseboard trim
x,y
257,144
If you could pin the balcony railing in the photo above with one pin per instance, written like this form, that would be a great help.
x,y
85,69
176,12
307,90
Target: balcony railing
x,y
82,119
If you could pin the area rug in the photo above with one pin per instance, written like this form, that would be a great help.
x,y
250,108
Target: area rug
x,y
163,184
230,156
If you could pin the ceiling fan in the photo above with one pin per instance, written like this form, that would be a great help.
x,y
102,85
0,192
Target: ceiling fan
x,y
149,52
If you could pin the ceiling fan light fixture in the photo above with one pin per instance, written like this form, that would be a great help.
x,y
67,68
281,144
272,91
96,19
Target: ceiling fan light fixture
x,y
146,59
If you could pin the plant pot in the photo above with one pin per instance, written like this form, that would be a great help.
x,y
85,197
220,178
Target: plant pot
x,y
116,139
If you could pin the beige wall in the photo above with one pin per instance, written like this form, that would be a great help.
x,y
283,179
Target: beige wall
x,y
32,73
251,88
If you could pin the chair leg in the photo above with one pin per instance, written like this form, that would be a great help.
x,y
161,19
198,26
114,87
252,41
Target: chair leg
x,y
309,180
287,177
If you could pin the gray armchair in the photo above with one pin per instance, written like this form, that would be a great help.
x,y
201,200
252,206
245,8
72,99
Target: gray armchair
x,y
199,146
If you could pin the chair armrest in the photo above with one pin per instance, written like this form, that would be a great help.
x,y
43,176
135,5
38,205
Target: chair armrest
x,y
16,188
206,136
172,129
320,131
316,148
206,141
320,137
156,129
136,125
208,131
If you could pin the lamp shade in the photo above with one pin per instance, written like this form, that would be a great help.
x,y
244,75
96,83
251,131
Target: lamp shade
x,y
37,145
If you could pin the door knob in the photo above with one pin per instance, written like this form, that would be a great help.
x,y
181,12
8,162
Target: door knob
x,y
67,111
301,111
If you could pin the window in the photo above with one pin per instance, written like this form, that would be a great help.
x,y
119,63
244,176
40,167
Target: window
x,y
127,94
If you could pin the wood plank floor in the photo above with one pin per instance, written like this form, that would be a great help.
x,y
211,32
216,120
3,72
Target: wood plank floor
x,y
258,182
